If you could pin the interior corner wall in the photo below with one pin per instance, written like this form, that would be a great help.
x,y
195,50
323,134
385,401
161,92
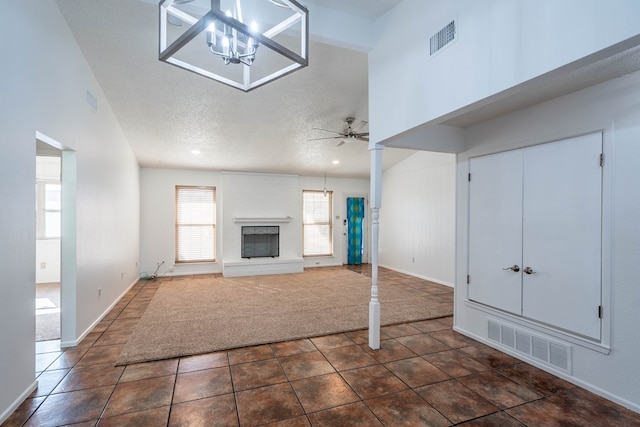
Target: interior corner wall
x,y
44,91
613,108
158,219
499,44
417,217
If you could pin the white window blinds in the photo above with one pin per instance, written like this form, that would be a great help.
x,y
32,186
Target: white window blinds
x,y
48,204
195,224
316,223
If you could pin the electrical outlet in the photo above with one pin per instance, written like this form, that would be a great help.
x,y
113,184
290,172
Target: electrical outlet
x,y
99,292
43,265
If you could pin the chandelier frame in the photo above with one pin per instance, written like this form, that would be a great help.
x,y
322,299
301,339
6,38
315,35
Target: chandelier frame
x,y
167,51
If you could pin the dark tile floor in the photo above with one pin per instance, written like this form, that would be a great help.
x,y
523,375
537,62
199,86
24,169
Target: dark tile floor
x,y
425,374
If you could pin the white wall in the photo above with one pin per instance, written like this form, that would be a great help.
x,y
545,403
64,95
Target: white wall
x,y
47,260
44,90
417,217
242,195
158,219
613,108
501,43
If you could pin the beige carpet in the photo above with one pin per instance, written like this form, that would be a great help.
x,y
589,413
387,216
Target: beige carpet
x,y
47,311
203,315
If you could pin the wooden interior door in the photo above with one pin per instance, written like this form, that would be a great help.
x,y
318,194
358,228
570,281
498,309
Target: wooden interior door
x,y
562,229
495,230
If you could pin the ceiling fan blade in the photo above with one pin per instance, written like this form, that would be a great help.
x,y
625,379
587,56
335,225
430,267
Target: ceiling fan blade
x,y
360,125
326,137
327,130
341,143
363,134
366,138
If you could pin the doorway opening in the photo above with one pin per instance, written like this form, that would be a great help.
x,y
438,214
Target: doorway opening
x,y
61,212
48,238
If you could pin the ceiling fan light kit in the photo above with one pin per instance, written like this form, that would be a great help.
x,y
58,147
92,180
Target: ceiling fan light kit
x,y
241,43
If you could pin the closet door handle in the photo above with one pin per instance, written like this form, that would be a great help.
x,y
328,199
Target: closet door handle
x,y
529,270
514,267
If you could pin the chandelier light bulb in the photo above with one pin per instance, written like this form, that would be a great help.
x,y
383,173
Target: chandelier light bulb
x,y
211,35
226,43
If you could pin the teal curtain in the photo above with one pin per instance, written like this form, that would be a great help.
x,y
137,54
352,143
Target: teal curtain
x,y
355,215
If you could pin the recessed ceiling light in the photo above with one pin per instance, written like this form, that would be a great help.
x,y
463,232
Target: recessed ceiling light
x,y
336,162
196,152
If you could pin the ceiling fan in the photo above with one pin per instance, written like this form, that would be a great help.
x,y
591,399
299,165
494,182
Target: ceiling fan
x,y
350,133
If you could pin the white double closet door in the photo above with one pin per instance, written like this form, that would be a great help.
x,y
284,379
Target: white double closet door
x,y
535,233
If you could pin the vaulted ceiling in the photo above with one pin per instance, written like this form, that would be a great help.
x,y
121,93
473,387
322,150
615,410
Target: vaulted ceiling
x,y
166,113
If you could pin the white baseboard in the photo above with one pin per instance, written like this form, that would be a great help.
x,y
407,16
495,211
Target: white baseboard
x,y
419,276
16,403
66,344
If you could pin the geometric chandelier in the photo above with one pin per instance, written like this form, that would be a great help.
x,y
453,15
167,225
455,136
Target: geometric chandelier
x,y
244,44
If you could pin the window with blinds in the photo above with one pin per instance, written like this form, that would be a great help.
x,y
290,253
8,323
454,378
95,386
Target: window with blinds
x,y
317,227
195,224
48,205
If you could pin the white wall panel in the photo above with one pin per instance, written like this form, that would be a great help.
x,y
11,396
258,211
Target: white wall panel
x,y
417,217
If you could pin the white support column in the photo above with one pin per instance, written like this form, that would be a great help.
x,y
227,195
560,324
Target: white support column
x,y
375,201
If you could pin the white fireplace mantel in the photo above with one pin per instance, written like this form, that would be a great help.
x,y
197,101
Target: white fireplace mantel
x,y
262,220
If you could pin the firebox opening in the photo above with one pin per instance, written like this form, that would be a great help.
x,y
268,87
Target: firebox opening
x,y
260,241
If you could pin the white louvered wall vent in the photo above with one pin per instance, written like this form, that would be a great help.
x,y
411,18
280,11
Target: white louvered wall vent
x,y
541,349
442,38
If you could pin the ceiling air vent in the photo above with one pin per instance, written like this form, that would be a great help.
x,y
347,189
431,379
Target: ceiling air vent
x,y
442,38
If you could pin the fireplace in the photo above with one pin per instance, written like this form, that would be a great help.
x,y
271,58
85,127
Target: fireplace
x,y
260,241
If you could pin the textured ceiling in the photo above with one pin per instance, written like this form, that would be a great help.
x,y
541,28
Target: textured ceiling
x,y
166,112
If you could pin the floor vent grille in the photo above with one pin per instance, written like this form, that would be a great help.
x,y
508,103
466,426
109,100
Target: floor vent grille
x,y
442,38
551,353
